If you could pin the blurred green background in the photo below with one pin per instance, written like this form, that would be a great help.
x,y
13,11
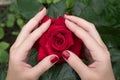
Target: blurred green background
x,y
105,14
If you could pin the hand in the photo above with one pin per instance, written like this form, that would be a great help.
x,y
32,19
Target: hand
x,y
100,68
19,69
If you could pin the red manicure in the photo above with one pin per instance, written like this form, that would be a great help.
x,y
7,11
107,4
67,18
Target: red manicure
x,y
66,55
54,59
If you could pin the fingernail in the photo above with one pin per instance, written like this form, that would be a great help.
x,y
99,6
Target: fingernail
x,y
66,55
41,9
54,59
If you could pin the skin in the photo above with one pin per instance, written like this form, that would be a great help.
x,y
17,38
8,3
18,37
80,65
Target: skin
x,y
99,69
19,69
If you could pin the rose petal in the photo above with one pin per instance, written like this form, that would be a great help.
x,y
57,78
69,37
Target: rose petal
x,y
77,46
45,19
60,21
59,42
57,39
41,54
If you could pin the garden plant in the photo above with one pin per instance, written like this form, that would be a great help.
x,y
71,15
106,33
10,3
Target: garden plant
x,y
105,14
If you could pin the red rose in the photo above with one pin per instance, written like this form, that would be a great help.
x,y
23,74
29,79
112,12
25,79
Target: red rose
x,y
57,39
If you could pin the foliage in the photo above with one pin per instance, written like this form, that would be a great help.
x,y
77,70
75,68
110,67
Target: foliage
x,y
3,52
10,24
103,13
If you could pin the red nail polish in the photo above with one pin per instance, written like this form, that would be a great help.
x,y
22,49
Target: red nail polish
x,y
66,55
54,59
41,9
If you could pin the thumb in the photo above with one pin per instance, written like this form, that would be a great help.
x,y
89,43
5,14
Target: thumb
x,y
76,63
44,65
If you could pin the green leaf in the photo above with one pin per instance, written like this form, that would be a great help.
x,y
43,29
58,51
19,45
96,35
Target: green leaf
x,y
98,6
3,71
3,56
3,53
110,40
20,22
10,20
110,36
33,58
116,69
42,1
89,14
49,1
57,9
60,72
78,8
70,3
115,55
15,33
13,8
117,26
101,21
86,1
1,33
29,8
3,75
4,45
55,1
2,25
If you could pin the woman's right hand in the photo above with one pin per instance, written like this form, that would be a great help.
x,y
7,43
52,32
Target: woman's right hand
x,y
100,68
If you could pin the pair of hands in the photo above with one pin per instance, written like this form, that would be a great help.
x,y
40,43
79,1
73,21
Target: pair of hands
x,y
19,69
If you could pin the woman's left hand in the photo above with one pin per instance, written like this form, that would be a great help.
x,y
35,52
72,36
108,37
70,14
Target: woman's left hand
x,y
19,69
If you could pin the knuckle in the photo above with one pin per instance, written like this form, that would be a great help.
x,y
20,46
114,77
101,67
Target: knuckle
x,y
107,55
13,58
107,52
11,49
24,28
14,54
76,31
33,20
32,38
92,26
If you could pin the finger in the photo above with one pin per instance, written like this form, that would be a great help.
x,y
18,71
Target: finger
x,y
35,20
44,65
89,42
76,63
33,37
87,26
30,26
